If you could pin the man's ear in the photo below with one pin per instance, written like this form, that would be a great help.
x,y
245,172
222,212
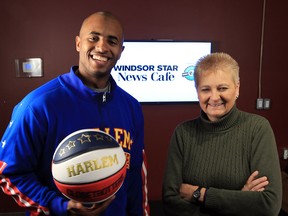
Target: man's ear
x,y
123,47
77,43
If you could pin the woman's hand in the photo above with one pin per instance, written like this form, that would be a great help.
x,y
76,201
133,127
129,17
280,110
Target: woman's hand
x,y
186,191
76,208
255,184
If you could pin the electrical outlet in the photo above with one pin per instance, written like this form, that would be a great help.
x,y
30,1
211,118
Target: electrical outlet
x,y
285,153
260,103
266,103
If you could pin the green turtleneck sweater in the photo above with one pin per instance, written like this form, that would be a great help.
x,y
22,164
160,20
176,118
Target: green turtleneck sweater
x,y
221,156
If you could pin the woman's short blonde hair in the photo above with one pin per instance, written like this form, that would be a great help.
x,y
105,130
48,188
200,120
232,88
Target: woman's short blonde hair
x,y
214,62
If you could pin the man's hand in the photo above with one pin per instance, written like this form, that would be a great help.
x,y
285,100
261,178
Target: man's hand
x,y
255,184
76,208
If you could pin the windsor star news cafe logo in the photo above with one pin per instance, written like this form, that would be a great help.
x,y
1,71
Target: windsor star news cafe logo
x,y
189,73
159,72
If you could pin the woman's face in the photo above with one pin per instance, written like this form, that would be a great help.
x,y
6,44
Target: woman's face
x,y
217,93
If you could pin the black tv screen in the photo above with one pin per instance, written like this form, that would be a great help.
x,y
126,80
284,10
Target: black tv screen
x,y
160,71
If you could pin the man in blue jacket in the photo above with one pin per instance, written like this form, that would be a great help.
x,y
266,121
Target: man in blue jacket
x,y
86,97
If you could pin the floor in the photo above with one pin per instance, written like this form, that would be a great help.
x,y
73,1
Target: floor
x,y
155,210
282,213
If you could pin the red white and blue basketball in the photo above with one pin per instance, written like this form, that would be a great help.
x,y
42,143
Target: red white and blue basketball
x,y
89,166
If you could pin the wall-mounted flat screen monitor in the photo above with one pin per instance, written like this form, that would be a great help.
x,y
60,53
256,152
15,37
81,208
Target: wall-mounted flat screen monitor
x,y
160,71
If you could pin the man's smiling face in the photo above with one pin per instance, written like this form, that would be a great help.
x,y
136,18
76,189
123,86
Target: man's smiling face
x,y
99,45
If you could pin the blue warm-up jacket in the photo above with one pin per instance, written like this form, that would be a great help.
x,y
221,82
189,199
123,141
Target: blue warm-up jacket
x,y
50,113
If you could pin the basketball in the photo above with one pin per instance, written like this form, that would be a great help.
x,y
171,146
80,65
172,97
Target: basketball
x,y
89,166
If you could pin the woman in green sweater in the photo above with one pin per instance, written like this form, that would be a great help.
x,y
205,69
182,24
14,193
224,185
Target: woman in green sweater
x,y
225,162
